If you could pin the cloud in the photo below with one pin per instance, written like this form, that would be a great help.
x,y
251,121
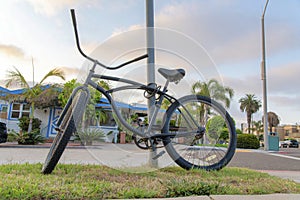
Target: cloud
x,y
122,30
219,31
281,80
282,91
284,79
70,71
245,85
12,50
286,102
51,7
229,34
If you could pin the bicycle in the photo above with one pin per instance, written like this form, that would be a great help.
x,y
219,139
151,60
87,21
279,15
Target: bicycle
x,y
197,132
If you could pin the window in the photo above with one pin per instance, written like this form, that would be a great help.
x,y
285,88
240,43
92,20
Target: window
x,y
3,112
287,132
4,108
19,110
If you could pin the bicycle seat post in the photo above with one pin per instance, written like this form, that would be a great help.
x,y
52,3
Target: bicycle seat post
x,y
165,89
157,106
91,72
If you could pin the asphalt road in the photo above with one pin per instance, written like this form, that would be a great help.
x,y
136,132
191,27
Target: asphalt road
x,y
285,160
284,164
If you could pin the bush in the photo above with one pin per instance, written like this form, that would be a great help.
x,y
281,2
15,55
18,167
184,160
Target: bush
x,y
34,137
238,131
88,135
24,123
247,141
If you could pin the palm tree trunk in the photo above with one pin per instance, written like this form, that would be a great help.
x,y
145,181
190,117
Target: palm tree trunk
x,y
31,117
206,110
249,121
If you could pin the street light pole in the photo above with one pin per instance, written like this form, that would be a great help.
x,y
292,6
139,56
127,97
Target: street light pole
x,y
32,71
151,71
264,79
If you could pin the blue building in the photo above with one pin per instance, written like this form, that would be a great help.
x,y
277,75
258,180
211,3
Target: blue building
x,y
12,110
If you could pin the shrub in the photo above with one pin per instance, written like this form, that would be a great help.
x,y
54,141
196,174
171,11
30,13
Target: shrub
x,y
34,137
238,131
88,135
247,141
24,123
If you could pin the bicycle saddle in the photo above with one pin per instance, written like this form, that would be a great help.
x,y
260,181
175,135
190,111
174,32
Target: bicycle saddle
x,y
173,75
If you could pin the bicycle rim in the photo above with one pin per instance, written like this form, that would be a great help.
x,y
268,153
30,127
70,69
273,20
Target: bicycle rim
x,y
189,149
68,126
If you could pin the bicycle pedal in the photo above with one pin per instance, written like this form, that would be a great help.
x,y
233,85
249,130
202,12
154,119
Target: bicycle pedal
x,y
158,155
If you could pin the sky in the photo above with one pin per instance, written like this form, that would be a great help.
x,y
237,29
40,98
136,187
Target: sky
x,y
210,39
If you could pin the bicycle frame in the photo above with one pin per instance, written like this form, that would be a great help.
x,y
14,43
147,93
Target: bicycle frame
x,y
107,94
184,151
131,85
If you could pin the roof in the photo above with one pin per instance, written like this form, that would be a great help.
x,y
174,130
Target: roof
x,y
4,91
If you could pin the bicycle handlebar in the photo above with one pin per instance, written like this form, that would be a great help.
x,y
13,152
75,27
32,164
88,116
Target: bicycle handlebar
x,y
94,60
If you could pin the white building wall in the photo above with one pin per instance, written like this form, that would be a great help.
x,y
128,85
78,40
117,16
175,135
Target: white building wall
x,y
43,115
12,125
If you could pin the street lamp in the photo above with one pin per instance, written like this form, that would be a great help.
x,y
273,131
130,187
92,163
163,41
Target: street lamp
x,y
151,70
264,79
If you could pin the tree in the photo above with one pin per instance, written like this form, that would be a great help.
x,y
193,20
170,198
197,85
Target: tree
x,y
249,104
31,93
91,114
257,127
273,120
216,128
66,92
214,90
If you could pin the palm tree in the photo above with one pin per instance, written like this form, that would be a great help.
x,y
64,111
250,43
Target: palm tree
x,y
31,93
273,120
249,104
258,127
214,90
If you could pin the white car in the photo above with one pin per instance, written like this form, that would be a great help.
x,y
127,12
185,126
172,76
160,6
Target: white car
x,y
284,144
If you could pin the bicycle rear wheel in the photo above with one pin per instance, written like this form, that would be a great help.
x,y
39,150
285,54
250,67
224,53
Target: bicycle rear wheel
x,y
68,122
192,148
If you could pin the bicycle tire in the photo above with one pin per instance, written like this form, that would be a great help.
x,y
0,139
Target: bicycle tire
x,y
67,128
208,155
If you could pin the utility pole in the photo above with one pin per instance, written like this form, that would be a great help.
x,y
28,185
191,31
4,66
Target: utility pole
x,y
264,79
32,71
151,69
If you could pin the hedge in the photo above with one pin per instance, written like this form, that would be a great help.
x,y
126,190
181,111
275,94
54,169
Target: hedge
x,y
247,141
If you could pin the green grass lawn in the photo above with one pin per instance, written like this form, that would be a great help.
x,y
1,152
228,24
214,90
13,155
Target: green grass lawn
x,y
25,181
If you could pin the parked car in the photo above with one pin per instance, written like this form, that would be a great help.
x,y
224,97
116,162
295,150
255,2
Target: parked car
x,y
294,144
3,132
289,143
284,144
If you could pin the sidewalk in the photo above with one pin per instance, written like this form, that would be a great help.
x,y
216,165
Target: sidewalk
x,y
126,155
242,197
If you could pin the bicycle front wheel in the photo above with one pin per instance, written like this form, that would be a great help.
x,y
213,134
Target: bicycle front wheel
x,y
205,136
68,122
